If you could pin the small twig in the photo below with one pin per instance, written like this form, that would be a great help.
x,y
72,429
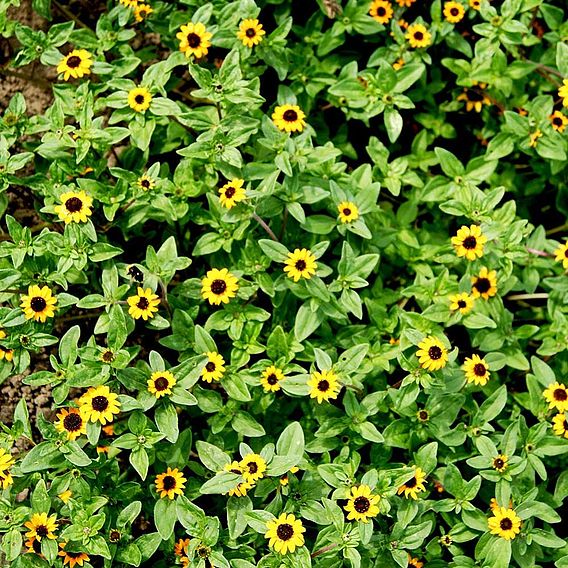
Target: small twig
x,y
323,550
537,296
538,252
546,68
265,227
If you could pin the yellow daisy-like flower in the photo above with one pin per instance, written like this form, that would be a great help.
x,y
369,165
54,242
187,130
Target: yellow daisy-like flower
x,y
171,483
285,533
181,546
476,370
563,93
454,12
414,485
469,242
561,255
559,425
75,207
232,193
41,526
194,40
462,302
405,3
398,64
475,4
415,562
559,121
146,183
139,99
129,3
348,211
300,264
289,118
500,463
362,504
284,479
474,99
219,286
99,404
432,355
484,285
144,304
7,354
557,397
533,138
241,489
381,11
271,377
160,383
6,479
6,460
77,64
33,546
250,32
324,385
505,523
39,304
142,11
72,558
215,367
253,467
71,422
418,36
66,495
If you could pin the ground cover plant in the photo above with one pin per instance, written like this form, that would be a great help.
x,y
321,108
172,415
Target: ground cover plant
x,y
283,284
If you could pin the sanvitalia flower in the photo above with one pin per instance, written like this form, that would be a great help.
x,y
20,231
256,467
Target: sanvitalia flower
x,y
7,354
300,264
284,478
99,404
71,422
39,304
474,99
33,546
348,211
414,485
418,36
462,302
475,4
144,304
381,11
415,562
129,3
76,64
6,460
559,121
160,383
563,93
181,546
41,526
469,242
484,285
146,183
405,3
194,40
557,396
6,479
324,385
72,558
139,99
476,370
232,193
66,495
505,523
559,425
171,483
250,32
289,118
271,377
500,463
533,138
432,355
219,286
75,207
240,489
362,504
423,415
285,533
454,12
562,255
253,467
142,11
215,367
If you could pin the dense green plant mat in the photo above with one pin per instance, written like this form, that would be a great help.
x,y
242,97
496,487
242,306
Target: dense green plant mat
x,y
293,274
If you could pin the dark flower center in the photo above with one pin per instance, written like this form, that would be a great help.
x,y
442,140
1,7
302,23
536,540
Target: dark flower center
x,y
72,422
381,11
300,265
143,303
419,36
229,192
566,253
145,183
36,545
557,121
38,304
41,530
251,32
479,369
169,482
454,11
323,386
347,211
506,524
100,403
290,115
272,379
210,366
285,531
423,415
252,467
237,471
498,463
469,243
73,204
73,61
161,384
411,483
462,304
108,356
361,504
114,536
482,285
475,97
560,395
73,554
193,40
139,99
203,551
218,286
434,352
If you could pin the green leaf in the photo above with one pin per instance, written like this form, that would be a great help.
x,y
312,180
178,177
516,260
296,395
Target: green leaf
x,y
167,420
165,516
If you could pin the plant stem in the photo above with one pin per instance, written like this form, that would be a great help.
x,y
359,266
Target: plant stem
x,y
558,229
265,227
537,296
323,550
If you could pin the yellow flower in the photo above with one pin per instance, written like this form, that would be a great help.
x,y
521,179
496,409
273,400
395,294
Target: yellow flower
x,y
500,463
76,64
6,479
232,193
289,118
7,354
99,404
462,302
418,36
505,523
129,3
562,255
6,460
219,286
241,489
415,562
285,533
405,3
75,207
348,211
144,304
194,40
324,385
475,4
558,121
41,526
250,32
284,478
72,558
362,504
142,11
559,425
181,546
476,370
300,264
171,483
160,383
474,99
33,546
454,12
271,377
71,422
381,11
139,99
253,467
484,285
533,139
563,93
432,355
214,369
39,304
146,183
414,485
557,397
469,242
66,495
398,64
